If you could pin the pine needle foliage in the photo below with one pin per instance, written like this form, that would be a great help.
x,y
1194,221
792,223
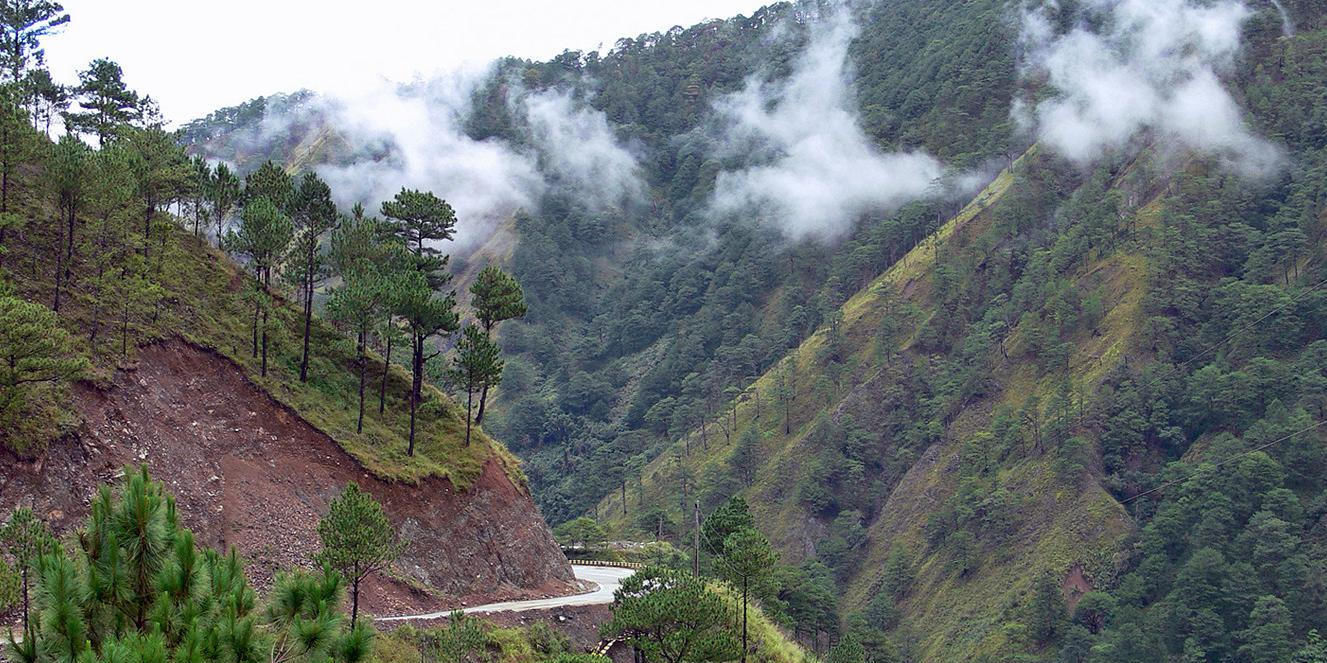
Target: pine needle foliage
x,y
137,587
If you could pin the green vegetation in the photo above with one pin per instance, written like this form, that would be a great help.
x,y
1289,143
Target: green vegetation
x,y
477,365
37,356
467,638
357,539
1077,416
89,232
26,540
672,616
961,442
135,587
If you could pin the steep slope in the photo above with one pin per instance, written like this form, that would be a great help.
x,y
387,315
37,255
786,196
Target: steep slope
x,y
1039,394
629,298
252,474
254,459
794,492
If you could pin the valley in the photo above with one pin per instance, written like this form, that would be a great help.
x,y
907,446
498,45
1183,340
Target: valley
x,y
880,332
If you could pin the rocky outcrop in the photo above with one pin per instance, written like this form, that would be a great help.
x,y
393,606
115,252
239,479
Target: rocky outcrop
x,y
250,473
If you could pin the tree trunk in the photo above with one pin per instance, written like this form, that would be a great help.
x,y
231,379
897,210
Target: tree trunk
x,y
354,603
308,311
147,228
359,346
744,599
4,196
624,496
416,378
386,367
124,332
695,541
469,403
263,372
267,284
59,271
483,399
256,308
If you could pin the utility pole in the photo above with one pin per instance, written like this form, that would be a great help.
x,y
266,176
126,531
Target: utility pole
x,y
695,538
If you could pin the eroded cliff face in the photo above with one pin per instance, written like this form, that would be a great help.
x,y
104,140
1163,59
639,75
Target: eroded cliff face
x,y
248,472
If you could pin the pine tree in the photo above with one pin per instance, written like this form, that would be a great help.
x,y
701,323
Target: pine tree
x,y
476,365
463,639
1046,611
47,98
106,101
364,298
731,516
747,560
263,235
272,182
421,220
848,650
357,539
426,315
200,182
223,192
16,147
314,216
110,187
671,616
23,24
34,350
1267,640
745,456
496,297
358,304
138,588
27,539
68,174
160,170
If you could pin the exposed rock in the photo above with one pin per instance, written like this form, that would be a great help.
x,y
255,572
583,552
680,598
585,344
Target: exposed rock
x,y
247,472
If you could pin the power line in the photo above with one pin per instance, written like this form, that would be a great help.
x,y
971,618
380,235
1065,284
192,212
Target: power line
x,y
1231,459
1229,337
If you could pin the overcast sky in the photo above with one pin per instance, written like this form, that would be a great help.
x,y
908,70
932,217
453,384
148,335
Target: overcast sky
x,y
194,56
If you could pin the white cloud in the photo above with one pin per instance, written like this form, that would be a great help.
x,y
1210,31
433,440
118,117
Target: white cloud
x,y
421,128
1154,65
822,170
580,149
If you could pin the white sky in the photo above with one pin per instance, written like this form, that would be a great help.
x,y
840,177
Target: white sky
x,y
194,56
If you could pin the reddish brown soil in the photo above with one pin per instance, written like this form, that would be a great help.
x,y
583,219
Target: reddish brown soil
x,y
1075,586
249,473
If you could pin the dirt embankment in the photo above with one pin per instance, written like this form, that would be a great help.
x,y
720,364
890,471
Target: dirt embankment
x,y
249,473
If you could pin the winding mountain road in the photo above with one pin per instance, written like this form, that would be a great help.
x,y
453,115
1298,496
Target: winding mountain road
x,y
607,579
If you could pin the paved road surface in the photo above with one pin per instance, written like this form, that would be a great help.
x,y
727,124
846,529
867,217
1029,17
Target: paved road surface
x,y
607,578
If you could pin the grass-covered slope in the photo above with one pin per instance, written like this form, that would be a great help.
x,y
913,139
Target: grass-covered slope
x,y
1061,521
954,440
202,299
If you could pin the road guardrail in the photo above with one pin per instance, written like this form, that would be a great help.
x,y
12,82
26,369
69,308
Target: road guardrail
x,y
596,562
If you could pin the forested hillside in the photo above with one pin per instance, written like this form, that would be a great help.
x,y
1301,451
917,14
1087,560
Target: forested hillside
x,y
1062,400
157,314
1094,392
644,310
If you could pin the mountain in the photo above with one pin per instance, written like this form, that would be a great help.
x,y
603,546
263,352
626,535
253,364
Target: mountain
x,y
1062,400
253,454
